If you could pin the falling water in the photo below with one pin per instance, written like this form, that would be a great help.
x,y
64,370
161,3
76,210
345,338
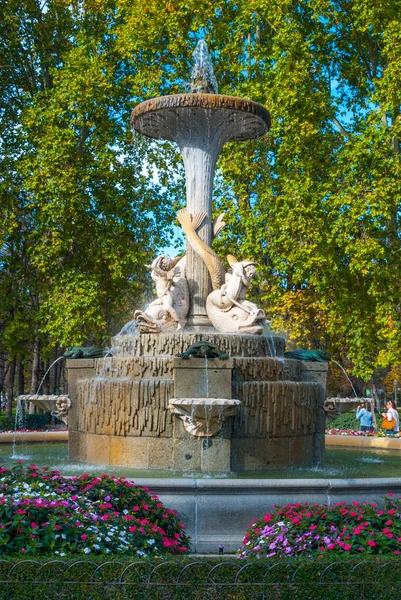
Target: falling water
x,y
206,378
346,374
44,376
129,328
203,79
19,423
268,334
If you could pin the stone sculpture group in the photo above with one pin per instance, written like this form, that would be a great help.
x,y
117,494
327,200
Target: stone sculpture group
x,y
226,306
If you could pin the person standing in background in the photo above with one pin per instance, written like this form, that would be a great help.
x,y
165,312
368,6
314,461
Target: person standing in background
x,y
364,414
392,416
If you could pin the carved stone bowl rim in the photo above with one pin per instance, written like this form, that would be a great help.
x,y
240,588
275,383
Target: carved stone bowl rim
x,y
200,101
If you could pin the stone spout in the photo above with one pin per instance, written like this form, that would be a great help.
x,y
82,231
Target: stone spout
x,y
203,417
58,406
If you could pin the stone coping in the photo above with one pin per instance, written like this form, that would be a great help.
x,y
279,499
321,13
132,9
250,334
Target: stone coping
x,y
270,486
350,441
34,436
219,511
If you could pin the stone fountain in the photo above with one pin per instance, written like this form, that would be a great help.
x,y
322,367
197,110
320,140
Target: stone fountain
x,y
199,386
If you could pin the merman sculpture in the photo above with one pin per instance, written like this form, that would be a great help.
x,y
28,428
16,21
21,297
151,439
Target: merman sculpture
x,y
168,312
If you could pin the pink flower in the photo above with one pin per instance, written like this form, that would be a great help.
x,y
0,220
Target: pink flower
x,y
347,547
371,543
132,528
34,525
22,549
84,536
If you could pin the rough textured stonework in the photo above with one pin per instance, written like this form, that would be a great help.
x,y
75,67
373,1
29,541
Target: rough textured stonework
x,y
135,367
258,369
275,408
124,407
171,344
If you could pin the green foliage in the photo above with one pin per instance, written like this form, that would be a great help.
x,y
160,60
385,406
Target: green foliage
x,y
345,421
31,422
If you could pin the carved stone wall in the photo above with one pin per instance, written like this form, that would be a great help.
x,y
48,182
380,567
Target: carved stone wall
x,y
135,367
125,407
171,344
120,415
275,408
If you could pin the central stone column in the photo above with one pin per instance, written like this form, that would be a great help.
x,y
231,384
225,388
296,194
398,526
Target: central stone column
x,y
199,150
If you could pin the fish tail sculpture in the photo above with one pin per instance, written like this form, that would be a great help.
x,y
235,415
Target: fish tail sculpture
x,y
190,225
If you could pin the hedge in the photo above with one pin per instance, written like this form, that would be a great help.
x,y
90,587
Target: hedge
x,y
31,422
207,578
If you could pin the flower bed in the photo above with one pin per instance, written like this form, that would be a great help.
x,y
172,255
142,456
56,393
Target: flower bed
x,y
300,529
356,433
42,512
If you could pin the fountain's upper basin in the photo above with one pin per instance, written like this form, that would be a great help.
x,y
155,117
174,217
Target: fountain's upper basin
x,y
241,119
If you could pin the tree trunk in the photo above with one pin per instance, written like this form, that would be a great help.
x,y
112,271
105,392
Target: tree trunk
x,y
10,387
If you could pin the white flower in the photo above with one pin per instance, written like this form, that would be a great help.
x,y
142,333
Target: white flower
x,y
107,539
87,550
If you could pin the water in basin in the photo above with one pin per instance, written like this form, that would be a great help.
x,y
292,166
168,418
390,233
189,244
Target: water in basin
x,y
340,463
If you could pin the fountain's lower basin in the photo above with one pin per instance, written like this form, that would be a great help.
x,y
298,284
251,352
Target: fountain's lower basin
x,y
218,510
